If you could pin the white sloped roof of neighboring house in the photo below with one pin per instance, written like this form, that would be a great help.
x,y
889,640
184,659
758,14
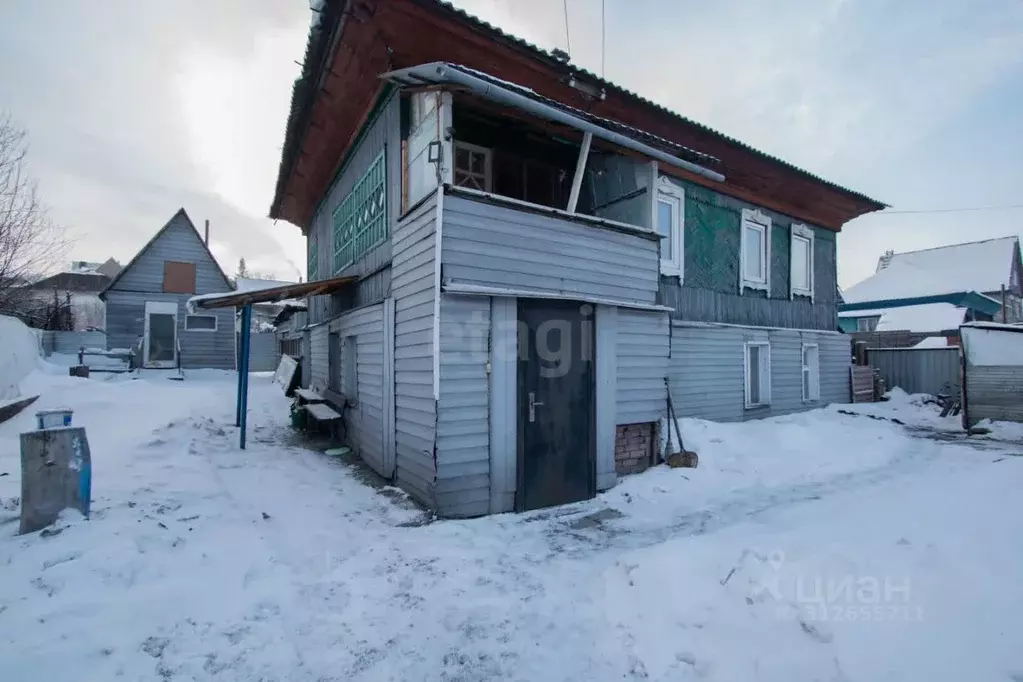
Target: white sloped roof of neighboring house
x,y
254,284
927,317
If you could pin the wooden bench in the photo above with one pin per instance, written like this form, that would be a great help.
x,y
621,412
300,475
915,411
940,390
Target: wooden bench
x,y
321,413
308,396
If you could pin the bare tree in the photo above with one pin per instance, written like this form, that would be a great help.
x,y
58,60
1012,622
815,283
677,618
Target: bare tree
x,y
29,241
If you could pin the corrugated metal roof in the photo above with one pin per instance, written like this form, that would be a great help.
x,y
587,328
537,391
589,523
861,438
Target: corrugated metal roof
x,y
316,46
612,86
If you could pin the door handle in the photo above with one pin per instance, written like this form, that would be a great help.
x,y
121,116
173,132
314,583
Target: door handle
x,y
532,406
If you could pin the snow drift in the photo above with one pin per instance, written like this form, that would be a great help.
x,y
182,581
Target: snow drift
x,y
20,350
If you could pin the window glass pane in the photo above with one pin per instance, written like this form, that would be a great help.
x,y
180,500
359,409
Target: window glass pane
x,y
461,158
754,375
801,263
754,247
200,322
665,214
806,383
478,163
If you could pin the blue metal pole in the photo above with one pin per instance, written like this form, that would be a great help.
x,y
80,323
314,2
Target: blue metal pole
x,y
238,368
244,371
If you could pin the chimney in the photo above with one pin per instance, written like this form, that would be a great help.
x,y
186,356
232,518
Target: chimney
x,y
207,237
885,260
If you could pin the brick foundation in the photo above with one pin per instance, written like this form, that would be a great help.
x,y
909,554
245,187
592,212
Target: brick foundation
x,y
634,447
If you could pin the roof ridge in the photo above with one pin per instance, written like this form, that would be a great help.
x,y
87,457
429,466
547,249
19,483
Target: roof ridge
x,y
950,246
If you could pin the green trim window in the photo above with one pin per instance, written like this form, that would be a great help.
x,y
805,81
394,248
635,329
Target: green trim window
x,y
311,265
360,221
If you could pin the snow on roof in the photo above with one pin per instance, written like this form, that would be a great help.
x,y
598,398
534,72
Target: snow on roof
x,y
243,284
974,266
928,317
934,342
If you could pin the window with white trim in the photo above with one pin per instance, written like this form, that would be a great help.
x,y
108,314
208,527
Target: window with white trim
x,y
801,261
866,324
755,251
473,167
200,323
811,373
758,373
670,223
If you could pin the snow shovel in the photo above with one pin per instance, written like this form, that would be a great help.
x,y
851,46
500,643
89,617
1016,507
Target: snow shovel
x,y
683,458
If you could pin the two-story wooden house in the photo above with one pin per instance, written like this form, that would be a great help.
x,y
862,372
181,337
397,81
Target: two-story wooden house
x,y
539,255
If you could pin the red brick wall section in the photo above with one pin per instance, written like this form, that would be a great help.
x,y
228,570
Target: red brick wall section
x,y
634,447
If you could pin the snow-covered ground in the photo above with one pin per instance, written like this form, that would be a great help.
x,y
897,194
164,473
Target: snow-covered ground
x,y
822,546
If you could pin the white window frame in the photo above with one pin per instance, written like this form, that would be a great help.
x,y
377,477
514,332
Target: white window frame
x,y
866,326
488,172
667,191
760,221
216,322
800,233
765,374
814,372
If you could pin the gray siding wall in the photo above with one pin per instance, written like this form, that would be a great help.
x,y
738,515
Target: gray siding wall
x,y
381,133
918,370
494,245
463,425
413,285
993,392
642,348
179,242
126,313
319,360
707,377
365,419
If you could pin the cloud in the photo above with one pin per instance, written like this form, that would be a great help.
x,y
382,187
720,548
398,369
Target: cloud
x,y
119,138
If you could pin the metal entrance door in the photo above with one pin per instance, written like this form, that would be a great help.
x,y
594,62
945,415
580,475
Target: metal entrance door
x,y
159,347
556,402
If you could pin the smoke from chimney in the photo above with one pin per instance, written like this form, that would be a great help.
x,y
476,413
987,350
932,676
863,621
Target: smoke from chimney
x,y
206,238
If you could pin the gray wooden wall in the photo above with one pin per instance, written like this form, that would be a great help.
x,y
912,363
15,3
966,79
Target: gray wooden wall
x,y
412,280
707,370
381,133
500,246
143,281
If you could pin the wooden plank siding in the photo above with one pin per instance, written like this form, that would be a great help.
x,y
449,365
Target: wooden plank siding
x,y
498,246
707,370
365,418
642,346
143,280
463,423
415,414
382,133
709,290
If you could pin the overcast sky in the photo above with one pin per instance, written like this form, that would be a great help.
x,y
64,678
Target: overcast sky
x,y
137,108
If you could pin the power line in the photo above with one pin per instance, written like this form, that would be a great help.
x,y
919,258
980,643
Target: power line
x,y
1008,207
568,40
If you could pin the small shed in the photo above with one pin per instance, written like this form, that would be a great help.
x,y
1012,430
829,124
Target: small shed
x,y
992,356
146,302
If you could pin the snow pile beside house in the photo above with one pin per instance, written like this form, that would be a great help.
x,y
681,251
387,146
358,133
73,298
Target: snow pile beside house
x,y
19,355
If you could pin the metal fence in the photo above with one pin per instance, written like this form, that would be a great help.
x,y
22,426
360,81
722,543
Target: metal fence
x,y
264,352
69,342
917,370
